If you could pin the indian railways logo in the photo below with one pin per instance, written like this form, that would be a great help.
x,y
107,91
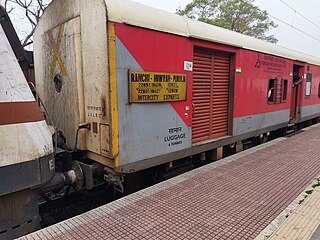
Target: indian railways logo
x,y
56,54
270,63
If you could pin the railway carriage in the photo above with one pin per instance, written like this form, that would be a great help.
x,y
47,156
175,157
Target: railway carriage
x,y
133,87
26,150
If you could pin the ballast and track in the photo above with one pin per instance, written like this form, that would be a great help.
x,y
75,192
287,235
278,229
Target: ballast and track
x,y
132,99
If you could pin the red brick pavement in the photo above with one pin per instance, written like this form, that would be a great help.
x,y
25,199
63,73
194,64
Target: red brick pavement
x,y
235,198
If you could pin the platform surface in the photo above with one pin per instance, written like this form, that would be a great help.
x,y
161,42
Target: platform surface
x,y
235,198
303,223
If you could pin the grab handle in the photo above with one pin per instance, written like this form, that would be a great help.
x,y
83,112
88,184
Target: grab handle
x,y
193,110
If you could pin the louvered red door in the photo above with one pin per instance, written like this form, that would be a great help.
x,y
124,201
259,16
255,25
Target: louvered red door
x,y
211,76
201,96
220,97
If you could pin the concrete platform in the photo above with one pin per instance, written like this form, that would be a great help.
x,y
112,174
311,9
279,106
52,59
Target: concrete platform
x,y
304,222
235,198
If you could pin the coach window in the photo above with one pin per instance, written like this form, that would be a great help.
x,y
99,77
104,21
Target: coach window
x,y
308,84
319,91
272,91
284,90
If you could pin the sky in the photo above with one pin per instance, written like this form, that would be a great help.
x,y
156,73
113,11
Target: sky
x,y
287,36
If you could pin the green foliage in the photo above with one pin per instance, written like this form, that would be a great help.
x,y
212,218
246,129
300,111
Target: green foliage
x,y
237,15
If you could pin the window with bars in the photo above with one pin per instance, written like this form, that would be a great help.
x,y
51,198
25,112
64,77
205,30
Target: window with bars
x,y
272,91
277,91
284,90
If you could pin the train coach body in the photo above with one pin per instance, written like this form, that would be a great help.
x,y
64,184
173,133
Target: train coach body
x,y
26,150
155,87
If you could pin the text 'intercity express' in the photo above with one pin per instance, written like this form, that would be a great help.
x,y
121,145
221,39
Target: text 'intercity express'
x,y
157,87
145,77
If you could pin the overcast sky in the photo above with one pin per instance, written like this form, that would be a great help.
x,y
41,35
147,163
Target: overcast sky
x,y
287,36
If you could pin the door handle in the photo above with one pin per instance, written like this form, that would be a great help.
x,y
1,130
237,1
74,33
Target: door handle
x,y
193,110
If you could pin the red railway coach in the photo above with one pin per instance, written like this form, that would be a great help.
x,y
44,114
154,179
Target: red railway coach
x,y
152,87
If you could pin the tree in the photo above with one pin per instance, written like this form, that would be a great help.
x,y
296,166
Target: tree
x,y
31,9
241,16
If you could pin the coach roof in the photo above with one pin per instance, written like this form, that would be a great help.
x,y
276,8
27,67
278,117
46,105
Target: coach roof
x,y
136,14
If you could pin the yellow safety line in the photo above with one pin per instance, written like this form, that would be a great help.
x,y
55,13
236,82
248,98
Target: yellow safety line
x,y
56,56
113,90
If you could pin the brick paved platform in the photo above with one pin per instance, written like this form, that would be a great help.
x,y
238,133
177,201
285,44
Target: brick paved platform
x,y
235,198
303,223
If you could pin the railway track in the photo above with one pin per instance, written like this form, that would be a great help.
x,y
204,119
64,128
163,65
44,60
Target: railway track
x,y
62,205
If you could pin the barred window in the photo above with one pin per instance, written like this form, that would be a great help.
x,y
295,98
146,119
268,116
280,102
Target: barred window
x,y
284,90
272,91
277,90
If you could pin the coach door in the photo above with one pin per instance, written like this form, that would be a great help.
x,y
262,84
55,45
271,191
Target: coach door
x,y
211,80
298,72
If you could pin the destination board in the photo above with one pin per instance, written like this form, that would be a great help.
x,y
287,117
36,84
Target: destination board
x,y
146,87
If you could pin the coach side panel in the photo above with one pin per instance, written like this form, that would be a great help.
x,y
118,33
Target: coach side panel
x,y
262,92
259,95
310,99
148,129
